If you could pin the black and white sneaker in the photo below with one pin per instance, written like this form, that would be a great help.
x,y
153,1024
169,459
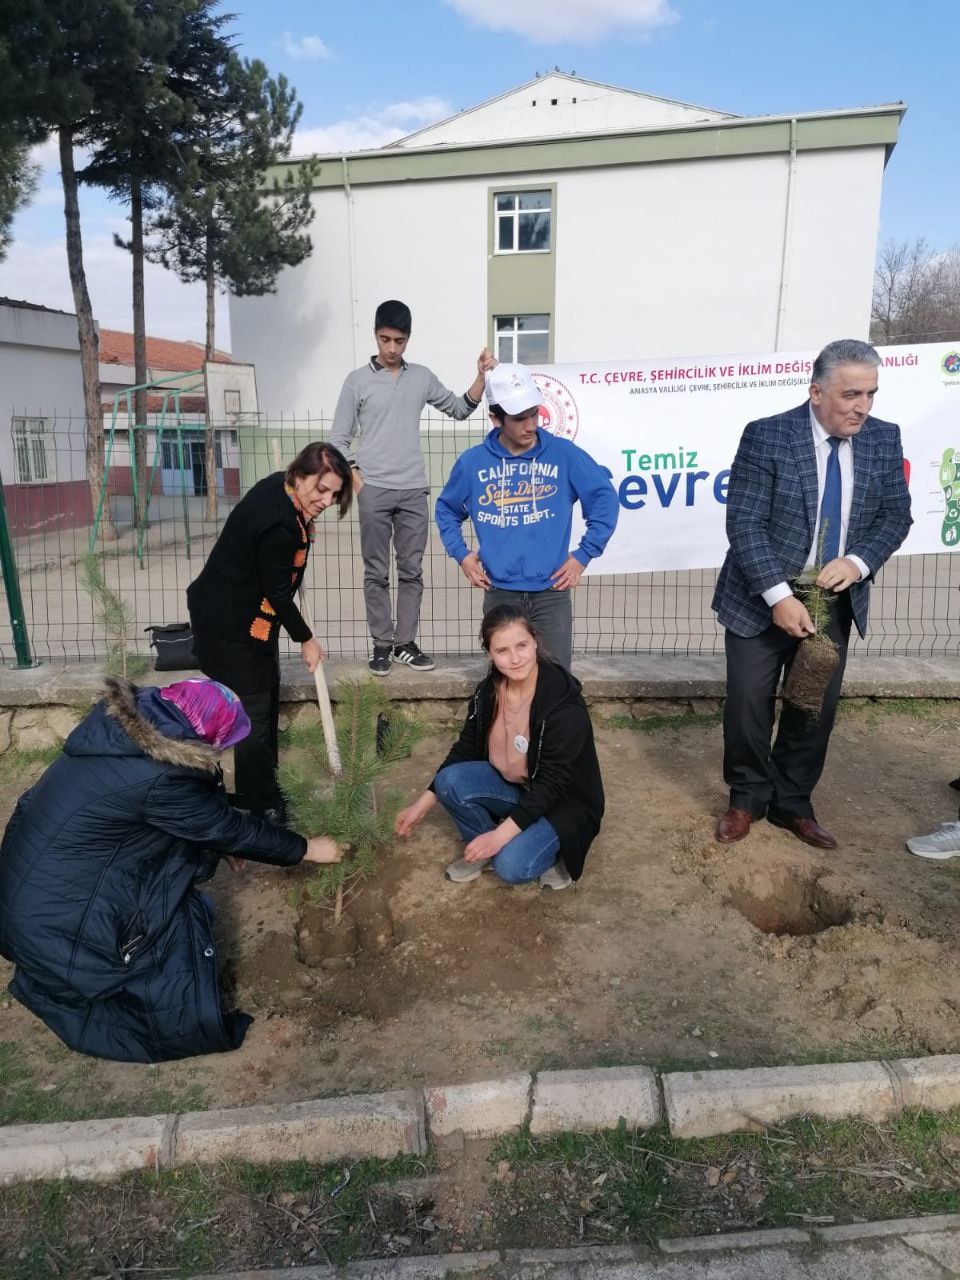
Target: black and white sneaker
x,y
379,664
411,655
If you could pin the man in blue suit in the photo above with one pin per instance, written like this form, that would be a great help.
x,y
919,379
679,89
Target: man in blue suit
x,y
824,471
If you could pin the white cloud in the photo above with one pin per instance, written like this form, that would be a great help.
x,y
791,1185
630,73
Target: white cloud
x,y
47,195
420,112
35,270
373,128
311,48
568,21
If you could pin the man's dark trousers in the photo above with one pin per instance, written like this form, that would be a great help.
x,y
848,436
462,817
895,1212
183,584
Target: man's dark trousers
x,y
783,779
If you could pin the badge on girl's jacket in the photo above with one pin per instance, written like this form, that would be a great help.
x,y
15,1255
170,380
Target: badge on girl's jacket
x,y
520,744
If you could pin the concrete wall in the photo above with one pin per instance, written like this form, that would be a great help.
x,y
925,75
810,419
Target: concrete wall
x,y
40,378
424,243
657,259
558,105
687,257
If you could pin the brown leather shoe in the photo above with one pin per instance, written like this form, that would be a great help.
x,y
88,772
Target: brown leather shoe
x,y
806,829
734,825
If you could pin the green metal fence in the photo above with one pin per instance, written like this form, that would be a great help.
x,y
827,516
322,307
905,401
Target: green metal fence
x,y
51,514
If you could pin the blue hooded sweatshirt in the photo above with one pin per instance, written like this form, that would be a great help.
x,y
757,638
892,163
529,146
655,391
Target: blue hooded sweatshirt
x,y
521,506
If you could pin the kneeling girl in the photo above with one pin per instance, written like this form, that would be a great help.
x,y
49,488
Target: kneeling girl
x,y
522,782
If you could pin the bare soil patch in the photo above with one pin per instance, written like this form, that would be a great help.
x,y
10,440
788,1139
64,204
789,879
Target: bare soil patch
x,y
671,949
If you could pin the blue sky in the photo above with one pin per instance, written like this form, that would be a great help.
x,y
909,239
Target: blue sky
x,y
372,71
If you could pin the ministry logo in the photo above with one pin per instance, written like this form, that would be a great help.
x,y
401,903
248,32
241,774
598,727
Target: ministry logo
x,y
951,363
558,411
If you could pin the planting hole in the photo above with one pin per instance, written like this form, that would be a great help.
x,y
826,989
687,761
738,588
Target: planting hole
x,y
788,901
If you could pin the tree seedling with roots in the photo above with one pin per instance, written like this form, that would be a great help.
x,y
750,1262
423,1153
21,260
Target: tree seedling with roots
x,y
371,734
817,656
114,615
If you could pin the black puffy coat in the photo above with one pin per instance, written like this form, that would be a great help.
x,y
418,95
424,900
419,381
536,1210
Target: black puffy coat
x,y
98,911
565,785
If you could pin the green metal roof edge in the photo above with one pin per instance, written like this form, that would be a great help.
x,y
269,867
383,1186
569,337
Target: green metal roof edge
x,y
717,140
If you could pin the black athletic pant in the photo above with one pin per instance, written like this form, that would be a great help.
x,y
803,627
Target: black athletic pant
x,y
781,780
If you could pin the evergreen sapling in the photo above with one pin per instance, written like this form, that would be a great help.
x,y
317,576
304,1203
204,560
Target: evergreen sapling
x,y
371,735
817,657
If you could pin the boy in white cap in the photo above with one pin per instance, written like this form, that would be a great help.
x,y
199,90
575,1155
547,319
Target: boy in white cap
x,y
519,488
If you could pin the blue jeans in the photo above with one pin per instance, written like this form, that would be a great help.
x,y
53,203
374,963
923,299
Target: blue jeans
x,y
477,797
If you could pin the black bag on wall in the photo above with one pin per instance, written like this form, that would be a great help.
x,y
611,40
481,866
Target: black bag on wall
x,y
174,646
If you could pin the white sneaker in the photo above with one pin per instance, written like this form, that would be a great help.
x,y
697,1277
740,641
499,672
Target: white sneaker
x,y
941,844
556,877
462,871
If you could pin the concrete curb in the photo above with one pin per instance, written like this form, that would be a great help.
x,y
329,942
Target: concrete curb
x,y
377,1125
582,1101
604,676
481,1110
703,1103
698,1104
921,1247
88,1149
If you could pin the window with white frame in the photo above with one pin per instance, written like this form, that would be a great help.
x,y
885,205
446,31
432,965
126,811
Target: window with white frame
x,y
30,439
522,339
522,221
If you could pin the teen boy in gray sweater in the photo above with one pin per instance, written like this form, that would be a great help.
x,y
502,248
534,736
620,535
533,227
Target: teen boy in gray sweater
x,y
382,402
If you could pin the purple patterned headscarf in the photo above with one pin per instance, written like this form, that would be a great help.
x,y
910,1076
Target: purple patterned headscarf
x,y
214,712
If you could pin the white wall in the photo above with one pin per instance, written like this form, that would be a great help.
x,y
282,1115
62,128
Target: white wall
x,y
833,246
529,112
671,259
40,377
652,260
424,243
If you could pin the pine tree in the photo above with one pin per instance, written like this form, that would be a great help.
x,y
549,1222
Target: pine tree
x,y
371,735
817,656
18,180
114,615
224,220
138,150
64,73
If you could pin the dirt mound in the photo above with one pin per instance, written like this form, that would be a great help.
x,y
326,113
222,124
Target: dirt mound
x,y
671,947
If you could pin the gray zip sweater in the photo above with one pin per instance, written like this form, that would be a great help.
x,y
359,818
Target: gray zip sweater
x,y
385,412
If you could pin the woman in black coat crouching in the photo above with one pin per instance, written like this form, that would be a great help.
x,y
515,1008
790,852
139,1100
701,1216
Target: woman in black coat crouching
x,y
522,782
112,942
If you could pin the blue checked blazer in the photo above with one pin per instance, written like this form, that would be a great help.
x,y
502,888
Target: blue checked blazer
x,y
772,503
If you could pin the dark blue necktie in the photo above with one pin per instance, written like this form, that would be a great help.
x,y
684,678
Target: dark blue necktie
x,y
829,531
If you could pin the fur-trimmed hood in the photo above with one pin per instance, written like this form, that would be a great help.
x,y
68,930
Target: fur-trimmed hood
x,y
132,721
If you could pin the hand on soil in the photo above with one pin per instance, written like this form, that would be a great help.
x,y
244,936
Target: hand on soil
x,y
322,849
791,616
235,864
414,813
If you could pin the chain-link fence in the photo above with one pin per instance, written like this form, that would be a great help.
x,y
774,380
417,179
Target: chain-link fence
x,y
51,513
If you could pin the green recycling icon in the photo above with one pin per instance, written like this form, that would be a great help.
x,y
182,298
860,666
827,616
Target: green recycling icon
x,y
950,484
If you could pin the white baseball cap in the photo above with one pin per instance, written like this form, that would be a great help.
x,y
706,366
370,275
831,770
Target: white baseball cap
x,y
512,387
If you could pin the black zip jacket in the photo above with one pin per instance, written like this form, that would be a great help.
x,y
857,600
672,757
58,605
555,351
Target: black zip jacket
x,y
245,592
564,785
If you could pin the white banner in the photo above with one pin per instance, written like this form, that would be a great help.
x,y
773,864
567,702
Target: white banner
x,y
668,430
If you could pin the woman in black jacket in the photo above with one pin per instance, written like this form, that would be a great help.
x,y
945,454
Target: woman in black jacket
x,y
99,909
245,594
522,782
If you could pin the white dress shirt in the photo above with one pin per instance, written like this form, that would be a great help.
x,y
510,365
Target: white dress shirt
x,y
821,449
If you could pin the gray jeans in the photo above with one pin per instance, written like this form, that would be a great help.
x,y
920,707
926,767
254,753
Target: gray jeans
x,y
551,612
400,514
